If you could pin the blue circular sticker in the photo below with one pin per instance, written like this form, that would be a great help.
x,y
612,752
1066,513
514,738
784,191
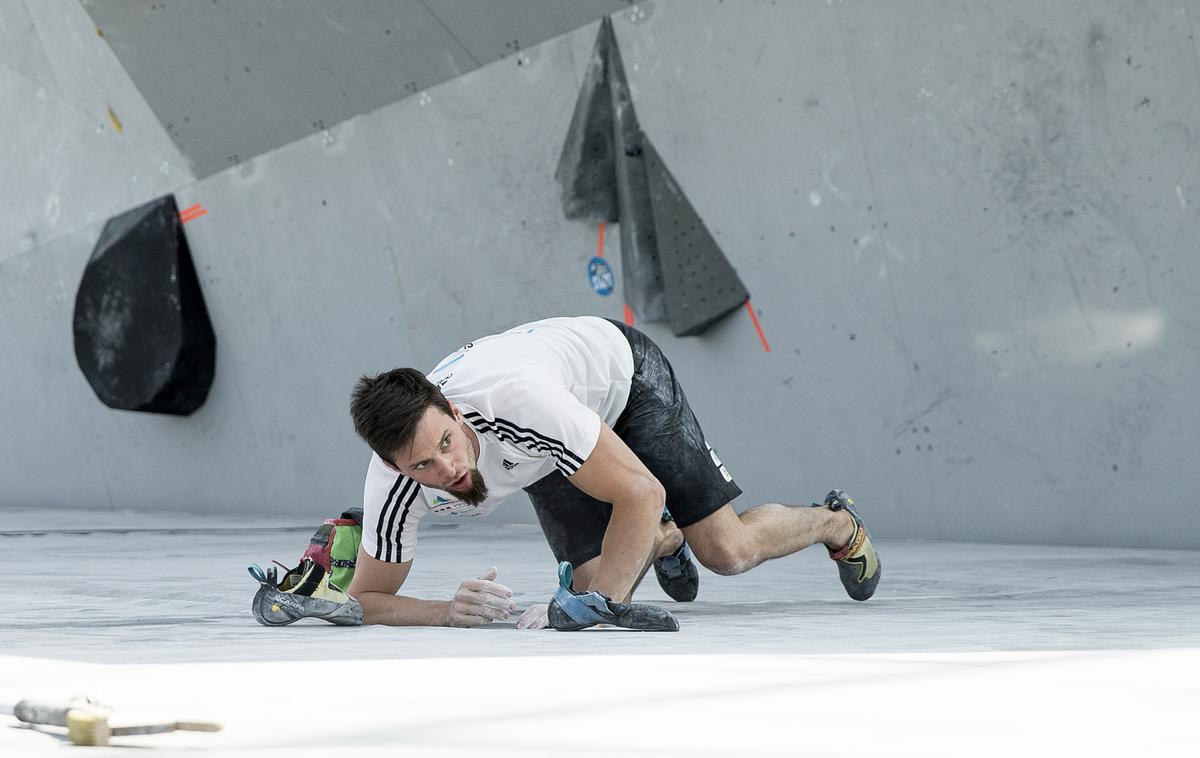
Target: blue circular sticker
x,y
600,275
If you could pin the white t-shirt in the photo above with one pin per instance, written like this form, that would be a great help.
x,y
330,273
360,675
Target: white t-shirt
x,y
534,395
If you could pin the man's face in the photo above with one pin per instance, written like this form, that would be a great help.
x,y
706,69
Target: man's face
x,y
442,456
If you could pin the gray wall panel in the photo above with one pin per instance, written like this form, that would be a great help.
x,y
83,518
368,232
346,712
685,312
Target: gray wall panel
x,y
1052,123
970,234
21,45
65,168
927,281
51,451
88,75
77,141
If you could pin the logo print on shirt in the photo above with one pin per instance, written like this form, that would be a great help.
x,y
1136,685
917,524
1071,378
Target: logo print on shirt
x,y
452,507
508,465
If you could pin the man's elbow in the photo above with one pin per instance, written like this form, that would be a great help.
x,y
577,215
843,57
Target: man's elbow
x,y
357,589
376,605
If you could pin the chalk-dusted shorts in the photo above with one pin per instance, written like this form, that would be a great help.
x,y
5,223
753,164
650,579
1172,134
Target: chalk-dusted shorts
x,y
660,428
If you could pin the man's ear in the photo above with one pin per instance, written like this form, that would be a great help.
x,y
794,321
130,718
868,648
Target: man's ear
x,y
454,410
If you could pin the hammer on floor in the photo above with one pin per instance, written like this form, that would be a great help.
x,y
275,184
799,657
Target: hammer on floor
x,y
87,722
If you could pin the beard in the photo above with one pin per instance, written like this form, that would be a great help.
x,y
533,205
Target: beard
x,y
476,491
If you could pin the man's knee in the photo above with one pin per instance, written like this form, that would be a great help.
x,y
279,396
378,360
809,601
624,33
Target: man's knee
x,y
725,558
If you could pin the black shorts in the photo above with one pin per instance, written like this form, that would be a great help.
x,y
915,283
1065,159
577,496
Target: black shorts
x,y
660,428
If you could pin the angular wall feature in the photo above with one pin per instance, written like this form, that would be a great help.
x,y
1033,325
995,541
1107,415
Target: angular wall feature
x,y
605,146
233,79
603,178
641,272
586,168
701,286
142,334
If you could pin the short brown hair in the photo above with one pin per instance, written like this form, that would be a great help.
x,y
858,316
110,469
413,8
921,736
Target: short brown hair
x,y
387,408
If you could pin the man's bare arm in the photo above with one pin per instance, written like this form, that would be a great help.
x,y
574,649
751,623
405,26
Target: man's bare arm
x,y
477,602
613,474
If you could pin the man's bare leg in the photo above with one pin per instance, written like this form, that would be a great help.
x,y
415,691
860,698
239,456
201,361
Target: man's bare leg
x,y
667,541
729,543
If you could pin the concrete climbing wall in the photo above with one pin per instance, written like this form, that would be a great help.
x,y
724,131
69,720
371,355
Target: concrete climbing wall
x,y
78,143
969,233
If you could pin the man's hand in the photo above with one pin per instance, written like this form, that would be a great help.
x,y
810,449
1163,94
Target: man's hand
x,y
534,617
480,601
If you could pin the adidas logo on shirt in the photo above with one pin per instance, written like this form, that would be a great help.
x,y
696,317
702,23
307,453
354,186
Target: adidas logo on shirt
x,y
508,465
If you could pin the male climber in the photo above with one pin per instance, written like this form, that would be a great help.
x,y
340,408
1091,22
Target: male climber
x,y
585,415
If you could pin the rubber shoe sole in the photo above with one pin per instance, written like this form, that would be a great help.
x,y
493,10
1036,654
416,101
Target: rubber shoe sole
x,y
272,607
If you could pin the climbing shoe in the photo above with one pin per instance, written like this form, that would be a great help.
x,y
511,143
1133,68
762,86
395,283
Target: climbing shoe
x,y
858,563
677,575
570,611
304,592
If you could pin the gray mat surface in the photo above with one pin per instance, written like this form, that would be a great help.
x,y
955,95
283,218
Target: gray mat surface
x,y
966,650
173,588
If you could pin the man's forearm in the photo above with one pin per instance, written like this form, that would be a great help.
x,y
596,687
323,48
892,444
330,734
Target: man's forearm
x,y
627,544
397,610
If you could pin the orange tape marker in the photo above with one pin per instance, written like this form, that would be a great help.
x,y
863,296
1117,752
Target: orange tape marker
x,y
628,315
758,327
192,212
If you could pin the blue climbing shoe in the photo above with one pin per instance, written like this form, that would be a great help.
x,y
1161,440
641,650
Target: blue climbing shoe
x,y
570,611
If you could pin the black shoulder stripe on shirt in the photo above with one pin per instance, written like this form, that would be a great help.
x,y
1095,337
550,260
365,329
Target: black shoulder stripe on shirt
x,y
527,435
384,550
383,514
536,446
548,440
400,532
567,461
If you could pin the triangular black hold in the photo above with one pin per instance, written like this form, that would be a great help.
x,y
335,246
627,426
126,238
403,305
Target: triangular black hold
x,y
701,285
586,171
142,334
640,269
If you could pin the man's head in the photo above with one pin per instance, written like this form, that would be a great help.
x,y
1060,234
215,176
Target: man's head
x,y
413,427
